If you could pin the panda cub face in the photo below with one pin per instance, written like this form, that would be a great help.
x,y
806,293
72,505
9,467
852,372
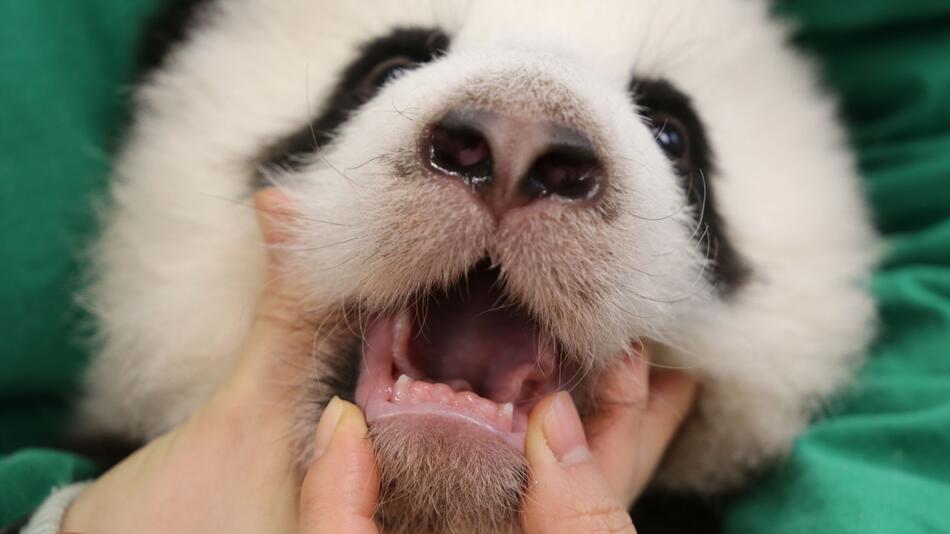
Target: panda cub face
x,y
495,200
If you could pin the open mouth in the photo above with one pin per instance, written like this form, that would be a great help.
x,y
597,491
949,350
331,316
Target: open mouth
x,y
467,354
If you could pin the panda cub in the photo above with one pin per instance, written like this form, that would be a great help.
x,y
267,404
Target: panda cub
x,y
496,197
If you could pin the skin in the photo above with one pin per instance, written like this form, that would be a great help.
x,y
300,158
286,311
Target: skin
x,y
230,467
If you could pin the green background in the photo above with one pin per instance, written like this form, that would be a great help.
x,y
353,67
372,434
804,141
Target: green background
x,y
879,463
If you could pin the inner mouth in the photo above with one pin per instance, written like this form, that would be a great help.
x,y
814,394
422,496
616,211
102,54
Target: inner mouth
x,y
468,354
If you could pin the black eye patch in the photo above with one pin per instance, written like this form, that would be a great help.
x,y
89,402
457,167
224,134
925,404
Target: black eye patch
x,y
378,62
669,112
681,135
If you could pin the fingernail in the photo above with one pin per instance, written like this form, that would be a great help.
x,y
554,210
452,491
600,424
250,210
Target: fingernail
x,y
564,432
327,426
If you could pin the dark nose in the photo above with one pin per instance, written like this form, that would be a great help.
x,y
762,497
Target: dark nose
x,y
512,162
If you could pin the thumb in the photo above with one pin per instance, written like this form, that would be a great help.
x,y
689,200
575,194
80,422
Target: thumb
x,y
639,416
278,318
274,214
340,490
567,492
278,337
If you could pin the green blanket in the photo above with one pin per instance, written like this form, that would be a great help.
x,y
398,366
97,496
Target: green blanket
x,y
880,461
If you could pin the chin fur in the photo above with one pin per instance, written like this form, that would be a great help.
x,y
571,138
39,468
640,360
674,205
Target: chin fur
x,y
438,478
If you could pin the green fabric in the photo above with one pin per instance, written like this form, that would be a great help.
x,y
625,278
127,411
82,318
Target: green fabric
x,y
879,463
31,473
62,66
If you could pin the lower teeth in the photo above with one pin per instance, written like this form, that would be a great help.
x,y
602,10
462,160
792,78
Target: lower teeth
x,y
407,390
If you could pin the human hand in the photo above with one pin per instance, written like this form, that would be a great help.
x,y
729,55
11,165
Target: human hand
x,y
231,467
587,483
578,485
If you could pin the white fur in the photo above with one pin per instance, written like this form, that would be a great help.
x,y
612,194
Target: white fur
x,y
179,267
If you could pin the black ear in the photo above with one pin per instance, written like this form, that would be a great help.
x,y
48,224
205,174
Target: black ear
x,y
168,27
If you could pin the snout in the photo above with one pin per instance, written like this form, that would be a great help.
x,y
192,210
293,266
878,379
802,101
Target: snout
x,y
523,165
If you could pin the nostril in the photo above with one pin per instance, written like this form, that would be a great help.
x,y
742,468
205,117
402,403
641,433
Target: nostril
x,y
509,162
570,173
460,150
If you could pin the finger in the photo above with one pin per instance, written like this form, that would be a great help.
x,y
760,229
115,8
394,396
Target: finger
x,y
274,211
278,329
567,492
636,423
340,489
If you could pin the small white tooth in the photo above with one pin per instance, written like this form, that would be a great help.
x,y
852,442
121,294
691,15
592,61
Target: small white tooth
x,y
508,409
400,387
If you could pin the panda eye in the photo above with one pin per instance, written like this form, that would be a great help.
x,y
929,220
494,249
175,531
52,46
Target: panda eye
x,y
378,62
383,73
389,58
673,138
675,125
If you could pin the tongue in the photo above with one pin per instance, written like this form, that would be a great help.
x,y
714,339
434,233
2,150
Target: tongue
x,y
472,339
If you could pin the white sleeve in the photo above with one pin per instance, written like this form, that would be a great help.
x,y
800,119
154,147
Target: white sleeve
x,y
48,518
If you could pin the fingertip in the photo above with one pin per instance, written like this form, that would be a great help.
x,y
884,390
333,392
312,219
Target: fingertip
x,y
279,297
673,394
567,491
272,199
537,451
643,409
353,420
674,380
564,431
341,487
627,381
340,420
273,209
329,420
